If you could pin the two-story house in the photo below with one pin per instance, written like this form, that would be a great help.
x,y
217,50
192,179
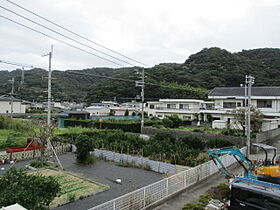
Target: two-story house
x,y
186,109
266,99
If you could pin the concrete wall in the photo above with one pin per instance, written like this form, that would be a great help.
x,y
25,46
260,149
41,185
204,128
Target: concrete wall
x,y
203,136
267,135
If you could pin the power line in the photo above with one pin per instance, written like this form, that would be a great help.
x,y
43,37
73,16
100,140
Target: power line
x,y
72,32
78,48
54,31
16,64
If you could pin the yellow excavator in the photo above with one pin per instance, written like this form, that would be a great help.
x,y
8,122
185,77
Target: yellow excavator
x,y
267,170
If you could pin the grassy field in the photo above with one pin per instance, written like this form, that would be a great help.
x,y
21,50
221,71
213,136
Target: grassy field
x,y
73,187
11,138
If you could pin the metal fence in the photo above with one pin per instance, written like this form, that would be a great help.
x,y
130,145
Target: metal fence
x,y
156,166
60,149
153,193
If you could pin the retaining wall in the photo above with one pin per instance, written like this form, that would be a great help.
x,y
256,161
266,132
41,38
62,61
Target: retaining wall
x,y
60,149
156,166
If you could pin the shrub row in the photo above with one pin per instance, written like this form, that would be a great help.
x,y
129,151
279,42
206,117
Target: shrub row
x,y
133,126
163,146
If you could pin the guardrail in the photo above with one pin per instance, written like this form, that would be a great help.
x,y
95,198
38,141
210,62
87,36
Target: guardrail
x,y
158,191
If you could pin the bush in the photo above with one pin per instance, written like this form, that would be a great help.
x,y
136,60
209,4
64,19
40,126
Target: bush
x,y
30,191
193,142
193,206
172,121
220,192
218,143
84,146
204,199
71,197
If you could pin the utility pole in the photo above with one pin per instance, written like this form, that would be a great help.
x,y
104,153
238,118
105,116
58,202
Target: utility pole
x,y
50,54
143,99
12,96
250,80
142,85
22,76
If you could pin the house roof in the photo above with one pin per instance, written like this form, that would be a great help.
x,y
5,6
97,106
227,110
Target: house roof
x,y
97,107
67,112
7,98
240,91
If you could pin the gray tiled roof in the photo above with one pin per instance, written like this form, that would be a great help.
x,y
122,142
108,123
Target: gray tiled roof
x,y
6,98
239,91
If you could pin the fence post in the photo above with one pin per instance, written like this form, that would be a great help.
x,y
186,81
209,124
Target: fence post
x,y
185,178
167,186
114,205
144,196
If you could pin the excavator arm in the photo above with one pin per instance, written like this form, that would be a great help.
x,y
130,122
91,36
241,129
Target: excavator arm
x,y
235,152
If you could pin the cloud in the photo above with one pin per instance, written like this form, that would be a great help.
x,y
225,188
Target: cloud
x,y
149,31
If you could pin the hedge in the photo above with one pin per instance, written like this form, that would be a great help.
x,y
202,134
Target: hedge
x,y
133,126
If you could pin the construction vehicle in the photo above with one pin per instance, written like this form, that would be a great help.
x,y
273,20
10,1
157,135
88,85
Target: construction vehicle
x,y
267,170
248,192
31,144
235,152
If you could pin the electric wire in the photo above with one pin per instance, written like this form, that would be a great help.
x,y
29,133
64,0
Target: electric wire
x,y
72,32
73,46
16,64
65,36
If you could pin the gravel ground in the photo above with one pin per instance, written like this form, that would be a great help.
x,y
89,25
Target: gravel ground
x,y
103,172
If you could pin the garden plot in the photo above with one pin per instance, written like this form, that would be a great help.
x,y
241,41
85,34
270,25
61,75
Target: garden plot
x,y
73,187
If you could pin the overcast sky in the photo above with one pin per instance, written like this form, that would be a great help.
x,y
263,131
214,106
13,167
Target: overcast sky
x,y
150,31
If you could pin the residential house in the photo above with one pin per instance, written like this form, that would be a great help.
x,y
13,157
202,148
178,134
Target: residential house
x,y
98,110
11,104
186,109
266,99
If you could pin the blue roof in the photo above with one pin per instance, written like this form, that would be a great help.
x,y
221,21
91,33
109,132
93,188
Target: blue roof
x,y
96,107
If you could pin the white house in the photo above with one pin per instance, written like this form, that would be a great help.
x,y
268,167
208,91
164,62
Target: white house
x,y
11,105
186,109
98,110
266,99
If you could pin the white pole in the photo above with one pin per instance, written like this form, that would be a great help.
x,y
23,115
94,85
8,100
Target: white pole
x,y
142,94
12,96
250,80
50,85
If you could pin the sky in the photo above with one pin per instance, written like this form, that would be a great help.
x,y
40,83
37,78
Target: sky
x,y
149,31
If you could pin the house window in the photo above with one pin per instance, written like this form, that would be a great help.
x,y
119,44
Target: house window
x,y
152,106
159,116
184,106
171,106
238,104
264,103
185,117
229,105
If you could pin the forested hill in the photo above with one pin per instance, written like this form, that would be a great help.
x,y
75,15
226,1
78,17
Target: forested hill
x,y
209,68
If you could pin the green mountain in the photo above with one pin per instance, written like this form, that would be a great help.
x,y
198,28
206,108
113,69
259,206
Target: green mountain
x,y
209,68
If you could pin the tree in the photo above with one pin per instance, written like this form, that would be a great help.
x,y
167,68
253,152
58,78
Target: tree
x,y
84,145
172,121
30,191
256,119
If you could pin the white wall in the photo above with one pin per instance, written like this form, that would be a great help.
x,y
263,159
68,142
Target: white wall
x,y
5,107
